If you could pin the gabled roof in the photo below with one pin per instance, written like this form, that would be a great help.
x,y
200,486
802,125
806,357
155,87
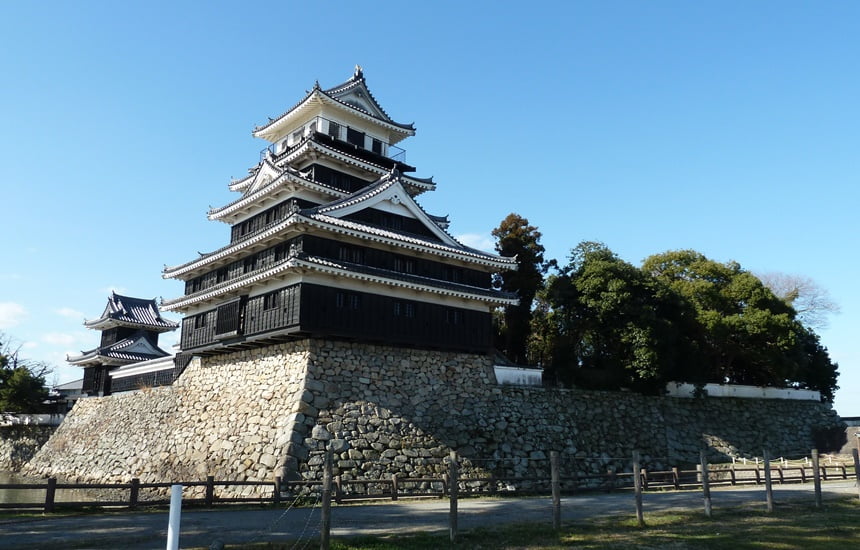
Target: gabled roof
x,y
133,349
352,95
330,217
389,188
125,311
287,177
264,174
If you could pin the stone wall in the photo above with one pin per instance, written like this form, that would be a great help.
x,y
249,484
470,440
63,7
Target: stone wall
x,y
255,414
18,444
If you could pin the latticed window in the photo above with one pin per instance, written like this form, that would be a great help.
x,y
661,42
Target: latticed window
x,y
228,318
334,129
270,301
404,309
404,265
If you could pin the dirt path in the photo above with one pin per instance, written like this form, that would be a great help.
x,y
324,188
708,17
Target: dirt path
x,y
138,531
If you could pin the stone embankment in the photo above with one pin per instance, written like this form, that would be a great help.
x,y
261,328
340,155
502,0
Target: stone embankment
x,y
256,414
18,444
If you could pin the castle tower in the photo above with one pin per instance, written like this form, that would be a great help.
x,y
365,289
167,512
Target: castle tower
x,y
130,328
327,241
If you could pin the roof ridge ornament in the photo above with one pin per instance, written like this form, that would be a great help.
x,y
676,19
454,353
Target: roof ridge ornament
x,y
358,74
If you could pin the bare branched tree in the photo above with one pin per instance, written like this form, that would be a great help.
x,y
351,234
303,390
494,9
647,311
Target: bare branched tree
x,y
812,303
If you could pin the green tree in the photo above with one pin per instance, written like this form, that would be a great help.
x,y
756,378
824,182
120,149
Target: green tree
x,y
516,237
613,325
748,335
22,382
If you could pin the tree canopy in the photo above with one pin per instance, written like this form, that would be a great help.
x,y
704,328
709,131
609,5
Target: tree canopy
x,y
22,382
615,326
600,322
516,237
750,336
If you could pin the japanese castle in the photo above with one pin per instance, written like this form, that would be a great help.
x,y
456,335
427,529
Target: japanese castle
x,y
128,356
327,241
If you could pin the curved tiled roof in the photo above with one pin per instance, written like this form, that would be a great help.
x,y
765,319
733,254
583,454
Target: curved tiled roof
x,y
217,213
311,142
344,269
131,312
442,286
357,80
119,352
356,229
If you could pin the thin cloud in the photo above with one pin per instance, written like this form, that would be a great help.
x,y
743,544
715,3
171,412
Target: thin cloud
x,y
478,240
70,313
59,339
11,314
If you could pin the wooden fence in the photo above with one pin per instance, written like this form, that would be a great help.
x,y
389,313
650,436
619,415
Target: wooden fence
x,y
394,487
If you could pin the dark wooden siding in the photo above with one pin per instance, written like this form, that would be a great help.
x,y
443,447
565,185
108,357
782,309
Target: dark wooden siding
x,y
141,381
273,311
329,311
198,330
268,216
334,250
322,311
96,380
336,179
373,257
393,222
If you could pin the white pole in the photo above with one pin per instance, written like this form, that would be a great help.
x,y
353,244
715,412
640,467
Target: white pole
x,y
173,521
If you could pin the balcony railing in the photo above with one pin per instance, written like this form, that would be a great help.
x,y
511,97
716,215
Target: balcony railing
x,y
340,132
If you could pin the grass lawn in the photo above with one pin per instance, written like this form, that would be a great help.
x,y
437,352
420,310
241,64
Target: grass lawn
x,y
834,526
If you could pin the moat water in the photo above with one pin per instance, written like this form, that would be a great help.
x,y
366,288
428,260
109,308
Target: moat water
x,y
35,495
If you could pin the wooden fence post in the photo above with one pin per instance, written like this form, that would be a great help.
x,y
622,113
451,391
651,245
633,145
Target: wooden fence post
x,y
453,489
706,488
555,480
325,510
134,493
816,477
768,482
393,486
676,477
338,489
857,469
637,488
209,498
50,494
276,495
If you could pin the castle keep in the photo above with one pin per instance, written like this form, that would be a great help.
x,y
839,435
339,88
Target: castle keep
x,y
328,241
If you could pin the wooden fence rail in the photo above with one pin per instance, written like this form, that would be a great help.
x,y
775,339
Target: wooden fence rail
x,y
395,487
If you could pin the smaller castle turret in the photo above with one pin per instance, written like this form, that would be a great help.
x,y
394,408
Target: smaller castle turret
x,y
130,328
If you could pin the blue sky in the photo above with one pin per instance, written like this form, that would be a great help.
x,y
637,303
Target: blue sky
x,y
727,127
